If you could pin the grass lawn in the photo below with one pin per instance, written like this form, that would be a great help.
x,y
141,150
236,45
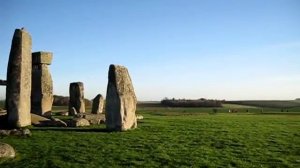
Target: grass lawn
x,y
167,137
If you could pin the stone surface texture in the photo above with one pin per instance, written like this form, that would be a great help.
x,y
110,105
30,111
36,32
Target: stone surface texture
x,y
63,113
120,100
76,97
6,151
72,112
16,132
94,119
42,84
42,57
79,122
18,89
98,104
41,121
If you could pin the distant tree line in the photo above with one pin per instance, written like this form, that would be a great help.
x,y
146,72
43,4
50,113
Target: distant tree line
x,y
191,103
268,103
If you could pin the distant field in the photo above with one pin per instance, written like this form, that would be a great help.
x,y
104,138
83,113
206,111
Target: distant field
x,y
233,106
157,109
173,137
277,105
268,103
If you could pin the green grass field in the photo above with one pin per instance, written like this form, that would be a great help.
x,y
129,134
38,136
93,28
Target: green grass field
x,y
168,137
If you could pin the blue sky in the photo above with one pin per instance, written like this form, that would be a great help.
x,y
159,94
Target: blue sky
x,y
219,49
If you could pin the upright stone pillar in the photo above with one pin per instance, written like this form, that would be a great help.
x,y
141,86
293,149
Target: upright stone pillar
x,y
18,89
98,103
77,97
42,84
120,100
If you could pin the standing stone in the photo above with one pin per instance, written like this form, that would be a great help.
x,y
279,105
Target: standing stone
x,y
77,97
18,89
72,111
98,103
42,85
120,100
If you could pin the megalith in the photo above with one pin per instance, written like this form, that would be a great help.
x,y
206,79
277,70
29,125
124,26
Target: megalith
x,y
76,97
121,101
18,89
42,84
72,112
98,103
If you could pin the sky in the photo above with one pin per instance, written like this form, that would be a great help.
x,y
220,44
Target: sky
x,y
215,49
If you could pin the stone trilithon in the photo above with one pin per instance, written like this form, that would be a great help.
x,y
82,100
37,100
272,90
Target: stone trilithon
x,y
42,84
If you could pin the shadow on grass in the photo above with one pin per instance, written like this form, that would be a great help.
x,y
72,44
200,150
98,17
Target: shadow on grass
x,y
68,129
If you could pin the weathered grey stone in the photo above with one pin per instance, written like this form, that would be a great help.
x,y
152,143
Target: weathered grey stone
x,y
98,103
94,119
37,119
18,89
79,122
41,121
6,151
120,100
26,132
42,84
63,113
16,132
5,132
42,58
21,132
72,112
58,122
47,114
77,97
